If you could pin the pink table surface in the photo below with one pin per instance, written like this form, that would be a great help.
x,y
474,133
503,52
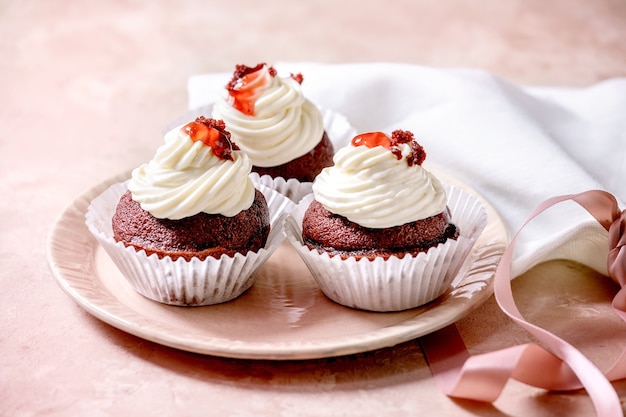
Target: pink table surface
x,y
86,89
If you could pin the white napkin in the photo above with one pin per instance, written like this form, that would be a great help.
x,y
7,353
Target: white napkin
x,y
516,145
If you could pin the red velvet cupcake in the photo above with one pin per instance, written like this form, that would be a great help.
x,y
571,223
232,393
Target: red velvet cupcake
x,y
284,133
380,232
190,227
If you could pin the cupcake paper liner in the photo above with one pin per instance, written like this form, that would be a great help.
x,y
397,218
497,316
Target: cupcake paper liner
x,y
181,282
291,188
339,131
393,284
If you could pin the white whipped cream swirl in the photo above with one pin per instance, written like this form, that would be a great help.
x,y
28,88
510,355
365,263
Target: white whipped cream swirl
x,y
284,126
185,178
375,189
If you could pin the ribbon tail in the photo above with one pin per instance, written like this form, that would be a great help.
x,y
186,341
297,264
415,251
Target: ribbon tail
x,y
483,377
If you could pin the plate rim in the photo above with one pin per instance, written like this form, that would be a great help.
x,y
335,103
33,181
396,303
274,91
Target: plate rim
x,y
102,304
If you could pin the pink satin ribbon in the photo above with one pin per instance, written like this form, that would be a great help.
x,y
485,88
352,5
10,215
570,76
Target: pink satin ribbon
x,y
553,365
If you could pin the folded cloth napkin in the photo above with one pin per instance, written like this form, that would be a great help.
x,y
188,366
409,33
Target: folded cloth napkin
x,y
516,145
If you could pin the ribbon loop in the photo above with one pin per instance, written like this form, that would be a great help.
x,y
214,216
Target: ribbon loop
x,y
554,365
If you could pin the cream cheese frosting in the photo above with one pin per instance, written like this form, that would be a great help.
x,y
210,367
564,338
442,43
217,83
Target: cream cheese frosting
x,y
268,116
186,177
375,187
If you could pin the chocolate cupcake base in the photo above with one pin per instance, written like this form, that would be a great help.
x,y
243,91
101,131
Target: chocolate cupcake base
x,y
336,235
198,236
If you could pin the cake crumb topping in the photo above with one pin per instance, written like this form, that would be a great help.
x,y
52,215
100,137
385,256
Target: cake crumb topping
x,y
246,85
373,139
212,133
418,154
241,71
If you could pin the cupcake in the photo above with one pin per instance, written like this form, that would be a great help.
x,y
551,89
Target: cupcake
x,y
189,227
380,232
272,121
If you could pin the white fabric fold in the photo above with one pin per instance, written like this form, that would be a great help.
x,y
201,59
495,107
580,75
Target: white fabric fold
x,y
516,145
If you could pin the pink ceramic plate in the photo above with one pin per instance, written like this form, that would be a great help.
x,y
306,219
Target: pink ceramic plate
x,y
283,316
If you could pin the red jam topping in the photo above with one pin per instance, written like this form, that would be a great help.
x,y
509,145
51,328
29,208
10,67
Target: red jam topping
x,y
212,133
373,139
244,88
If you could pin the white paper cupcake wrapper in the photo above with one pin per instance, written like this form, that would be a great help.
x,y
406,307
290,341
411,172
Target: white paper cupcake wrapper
x,y
290,188
181,282
393,284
